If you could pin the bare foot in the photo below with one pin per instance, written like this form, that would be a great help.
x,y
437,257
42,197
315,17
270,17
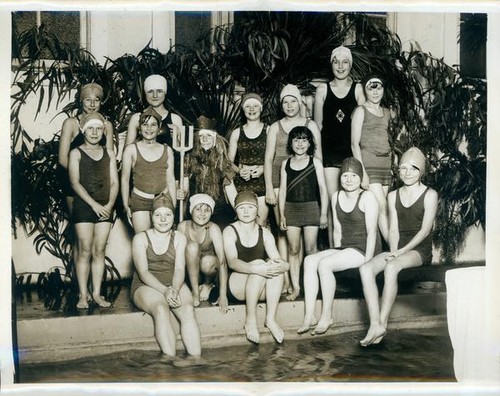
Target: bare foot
x,y
189,361
322,327
293,295
99,300
306,325
196,300
252,332
82,302
205,291
374,336
276,330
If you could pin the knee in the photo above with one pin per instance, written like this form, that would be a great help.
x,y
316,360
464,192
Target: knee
x,y
192,249
209,265
161,312
365,271
84,250
98,251
310,262
323,267
293,248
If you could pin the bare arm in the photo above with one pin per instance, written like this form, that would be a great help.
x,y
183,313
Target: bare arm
x,y
337,227
180,260
359,94
139,246
233,144
133,126
318,152
268,163
128,161
69,129
257,267
319,101
323,193
369,204
170,189
358,117
110,136
216,237
393,222
113,178
282,195
277,264
430,209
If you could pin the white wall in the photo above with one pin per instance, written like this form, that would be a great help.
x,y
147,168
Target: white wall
x,y
436,33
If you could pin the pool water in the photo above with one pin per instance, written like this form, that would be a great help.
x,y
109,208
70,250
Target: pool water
x,y
416,355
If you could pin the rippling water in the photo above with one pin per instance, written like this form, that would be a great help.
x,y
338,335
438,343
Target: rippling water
x,y
405,355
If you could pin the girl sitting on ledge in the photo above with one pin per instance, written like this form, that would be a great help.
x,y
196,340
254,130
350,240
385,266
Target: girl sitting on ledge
x,y
158,286
412,209
257,266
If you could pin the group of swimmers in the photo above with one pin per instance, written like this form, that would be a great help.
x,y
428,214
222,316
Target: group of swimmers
x,y
332,173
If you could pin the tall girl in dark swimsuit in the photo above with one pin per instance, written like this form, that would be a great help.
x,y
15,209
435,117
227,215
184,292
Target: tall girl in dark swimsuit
x,y
412,210
333,105
94,178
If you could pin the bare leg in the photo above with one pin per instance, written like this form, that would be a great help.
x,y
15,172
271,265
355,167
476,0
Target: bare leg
x,y
153,303
263,212
332,185
339,260
282,244
273,293
294,240
193,269
190,331
209,266
368,272
84,235
253,289
383,216
101,233
141,221
391,272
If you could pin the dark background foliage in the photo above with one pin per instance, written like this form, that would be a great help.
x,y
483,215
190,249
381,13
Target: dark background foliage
x,y
438,109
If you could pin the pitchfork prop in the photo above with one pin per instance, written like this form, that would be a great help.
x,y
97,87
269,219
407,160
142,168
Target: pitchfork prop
x,y
181,146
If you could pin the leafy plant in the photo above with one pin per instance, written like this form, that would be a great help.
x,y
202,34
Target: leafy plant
x,y
438,109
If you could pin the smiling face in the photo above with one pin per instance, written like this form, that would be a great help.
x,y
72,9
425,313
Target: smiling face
x,y
290,106
341,66
91,103
155,96
93,133
350,181
300,145
150,128
246,212
162,219
374,91
252,109
201,214
409,174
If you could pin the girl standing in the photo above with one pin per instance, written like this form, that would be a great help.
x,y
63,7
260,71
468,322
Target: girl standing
x,y
356,238
276,153
151,166
370,145
412,210
302,185
333,106
71,137
94,178
247,146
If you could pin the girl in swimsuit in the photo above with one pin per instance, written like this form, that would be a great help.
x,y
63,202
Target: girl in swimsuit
x,y
151,166
204,251
94,179
158,286
257,266
356,240
247,146
334,103
276,153
412,210
303,200
71,137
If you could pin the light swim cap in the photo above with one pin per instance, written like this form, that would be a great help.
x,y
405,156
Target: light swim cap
x,y
198,199
414,157
290,90
341,51
89,89
155,81
91,119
